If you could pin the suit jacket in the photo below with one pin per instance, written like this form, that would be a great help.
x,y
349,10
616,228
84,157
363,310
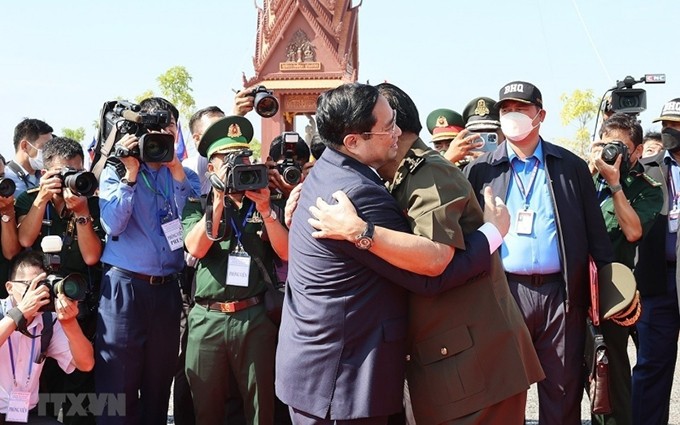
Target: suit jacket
x,y
580,225
469,347
341,348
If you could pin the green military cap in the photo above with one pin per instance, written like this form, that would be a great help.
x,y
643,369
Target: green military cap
x,y
444,124
228,133
480,114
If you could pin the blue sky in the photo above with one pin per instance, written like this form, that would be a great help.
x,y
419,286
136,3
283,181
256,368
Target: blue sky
x,y
60,61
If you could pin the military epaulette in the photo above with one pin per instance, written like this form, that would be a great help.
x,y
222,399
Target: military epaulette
x,y
413,162
652,181
33,190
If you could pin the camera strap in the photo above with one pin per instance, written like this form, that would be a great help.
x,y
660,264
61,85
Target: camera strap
x,y
22,175
207,207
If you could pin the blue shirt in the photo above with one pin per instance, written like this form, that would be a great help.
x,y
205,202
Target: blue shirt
x,y
537,252
131,217
33,180
673,198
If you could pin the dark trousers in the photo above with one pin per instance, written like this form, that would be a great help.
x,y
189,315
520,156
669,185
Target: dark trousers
x,y
136,346
303,418
658,330
559,340
182,403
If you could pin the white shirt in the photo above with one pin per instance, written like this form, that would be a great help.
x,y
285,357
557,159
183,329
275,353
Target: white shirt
x,y
21,351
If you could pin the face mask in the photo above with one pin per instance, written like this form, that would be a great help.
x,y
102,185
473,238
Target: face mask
x,y
670,138
516,125
37,161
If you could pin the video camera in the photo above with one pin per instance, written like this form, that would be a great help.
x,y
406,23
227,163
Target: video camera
x,y
240,176
628,100
290,170
73,285
125,117
266,105
612,150
81,183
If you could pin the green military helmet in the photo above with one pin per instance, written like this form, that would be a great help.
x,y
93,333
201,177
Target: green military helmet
x,y
228,133
444,124
480,114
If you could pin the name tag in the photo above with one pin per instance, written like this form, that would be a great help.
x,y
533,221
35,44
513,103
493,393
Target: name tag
x,y
173,234
525,222
17,408
673,220
238,269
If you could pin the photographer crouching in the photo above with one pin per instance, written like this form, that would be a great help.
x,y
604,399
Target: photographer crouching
x,y
64,206
22,352
137,337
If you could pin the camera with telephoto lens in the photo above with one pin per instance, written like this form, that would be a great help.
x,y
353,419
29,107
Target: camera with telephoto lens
x,y
73,285
612,150
7,187
240,176
81,183
290,170
126,118
265,104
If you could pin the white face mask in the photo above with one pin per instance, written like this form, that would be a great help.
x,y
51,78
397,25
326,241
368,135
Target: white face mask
x,y
37,161
516,125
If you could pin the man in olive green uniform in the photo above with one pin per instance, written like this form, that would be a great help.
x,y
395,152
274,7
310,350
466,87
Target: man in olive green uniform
x,y
630,201
229,330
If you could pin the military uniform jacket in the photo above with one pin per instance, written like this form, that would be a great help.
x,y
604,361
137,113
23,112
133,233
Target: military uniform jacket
x,y
469,347
580,225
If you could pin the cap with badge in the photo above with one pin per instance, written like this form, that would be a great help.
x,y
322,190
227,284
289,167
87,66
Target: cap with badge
x,y
520,91
226,134
444,124
670,111
619,298
481,114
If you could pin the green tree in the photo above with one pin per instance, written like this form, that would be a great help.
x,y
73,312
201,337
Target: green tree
x,y
256,147
77,134
174,86
580,107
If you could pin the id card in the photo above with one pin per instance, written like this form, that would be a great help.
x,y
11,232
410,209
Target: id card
x,y
673,220
525,222
17,408
173,234
238,269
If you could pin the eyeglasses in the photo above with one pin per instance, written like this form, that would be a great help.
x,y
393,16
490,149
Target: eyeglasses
x,y
390,132
23,282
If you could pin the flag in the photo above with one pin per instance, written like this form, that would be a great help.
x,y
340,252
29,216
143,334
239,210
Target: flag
x,y
90,153
180,147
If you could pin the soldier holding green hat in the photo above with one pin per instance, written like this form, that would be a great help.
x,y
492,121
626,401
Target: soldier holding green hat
x,y
234,237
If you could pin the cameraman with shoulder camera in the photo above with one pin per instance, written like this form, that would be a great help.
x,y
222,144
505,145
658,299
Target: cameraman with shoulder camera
x,y
63,205
139,309
234,236
21,312
630,201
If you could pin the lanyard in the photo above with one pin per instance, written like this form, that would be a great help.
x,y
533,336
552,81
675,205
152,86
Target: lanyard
x,y
237,230
526,193
30,363
165,194
671,186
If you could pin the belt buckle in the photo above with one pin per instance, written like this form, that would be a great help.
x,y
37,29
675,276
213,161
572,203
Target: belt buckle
x,y
156,280
227,307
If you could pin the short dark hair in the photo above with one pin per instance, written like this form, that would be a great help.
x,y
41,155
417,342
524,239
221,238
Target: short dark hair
x,y
408,118
345,110
301,149
61,147
153,104
26,259
210,110
317,147
623,122
30,129
652,135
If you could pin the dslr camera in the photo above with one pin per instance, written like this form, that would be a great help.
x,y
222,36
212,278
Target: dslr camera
x,y
81,183
7,187
126,118
240,176
73,286
266,105
290,170
628,100
611,151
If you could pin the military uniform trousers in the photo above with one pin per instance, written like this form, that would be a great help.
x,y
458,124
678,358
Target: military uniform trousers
x,y
242,344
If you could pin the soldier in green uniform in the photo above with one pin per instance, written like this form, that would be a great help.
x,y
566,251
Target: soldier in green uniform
x,y
53,209
630,201
229,330
444,125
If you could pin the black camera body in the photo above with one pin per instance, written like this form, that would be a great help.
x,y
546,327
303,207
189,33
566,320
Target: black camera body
x,y
7,187
289,169
612,150
73,286
240,176
81,183
628,100
265,104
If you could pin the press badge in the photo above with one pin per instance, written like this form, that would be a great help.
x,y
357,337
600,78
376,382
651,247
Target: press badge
x,y
525,222
173,234
673,220
17,408
238,268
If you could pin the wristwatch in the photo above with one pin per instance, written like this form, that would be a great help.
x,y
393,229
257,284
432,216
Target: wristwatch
x,y
615,188
365,239
84,219
5,218
128,182
271,217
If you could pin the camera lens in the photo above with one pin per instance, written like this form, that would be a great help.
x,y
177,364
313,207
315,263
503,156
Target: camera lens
x,y
72,286
82,183
248,178
610,152
7,187
157,147
292,175
630,101
266,105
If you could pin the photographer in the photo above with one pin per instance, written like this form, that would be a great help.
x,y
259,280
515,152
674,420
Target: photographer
x,y
229,331
20,311
630,201
53,208
139,309
8,227
287,160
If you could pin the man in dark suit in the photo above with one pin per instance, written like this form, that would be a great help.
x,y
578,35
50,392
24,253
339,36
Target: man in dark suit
x,y
556,224
341,352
